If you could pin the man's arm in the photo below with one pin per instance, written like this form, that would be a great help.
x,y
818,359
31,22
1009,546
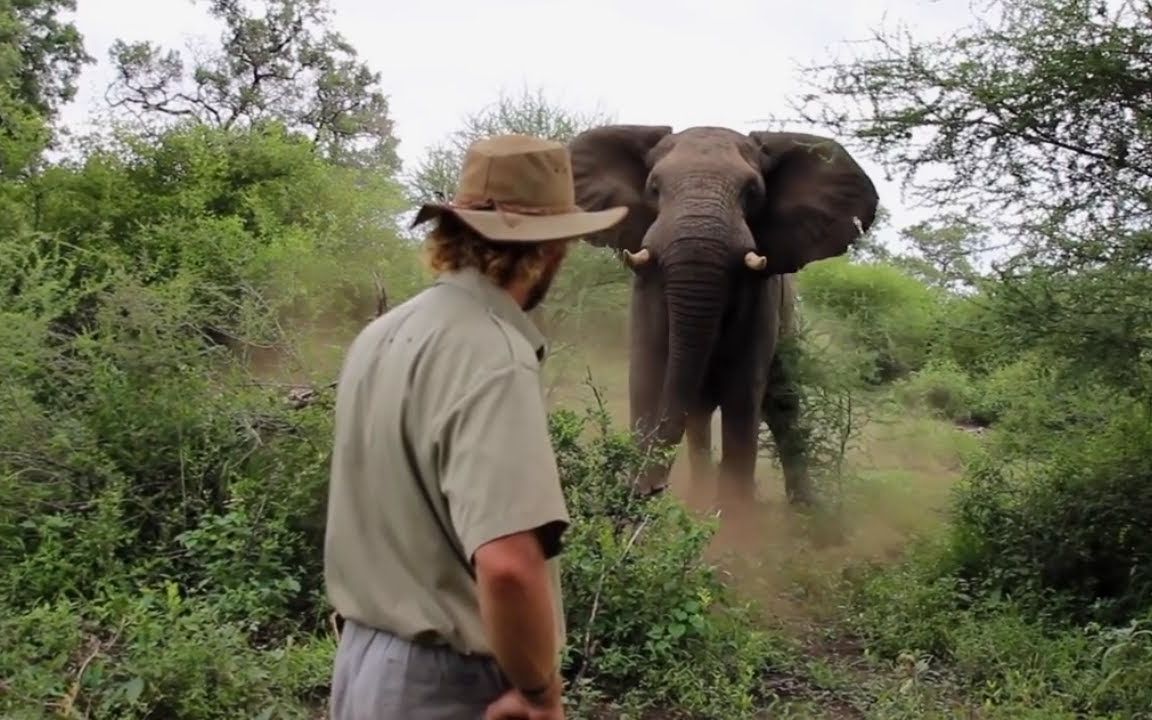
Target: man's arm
x,y
516,605
504,496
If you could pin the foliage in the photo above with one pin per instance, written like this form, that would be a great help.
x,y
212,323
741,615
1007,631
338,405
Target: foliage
x,y
40,58
943,387
287,66
1032,123
651,623
1008,663
234,213
529,113
40,54
1070,524
824,373
1051,136
156,654
944,249
879,310
1038,109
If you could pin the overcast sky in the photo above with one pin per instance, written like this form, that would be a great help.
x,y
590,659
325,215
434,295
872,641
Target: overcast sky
x,y
675,62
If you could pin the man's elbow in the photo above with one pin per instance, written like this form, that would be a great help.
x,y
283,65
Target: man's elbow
x,y
511,562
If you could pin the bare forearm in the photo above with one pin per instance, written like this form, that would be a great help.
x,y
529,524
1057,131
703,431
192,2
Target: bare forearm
x,y
517,611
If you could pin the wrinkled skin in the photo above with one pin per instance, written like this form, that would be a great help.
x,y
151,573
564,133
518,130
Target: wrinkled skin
x,y
718,222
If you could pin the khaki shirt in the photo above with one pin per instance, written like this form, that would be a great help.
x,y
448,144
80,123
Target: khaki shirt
x,y
443,392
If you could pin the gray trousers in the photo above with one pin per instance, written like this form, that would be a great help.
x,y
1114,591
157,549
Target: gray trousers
x,y
378,676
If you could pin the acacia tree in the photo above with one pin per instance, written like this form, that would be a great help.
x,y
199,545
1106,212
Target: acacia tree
x,y
1042,115
286,66
1039,119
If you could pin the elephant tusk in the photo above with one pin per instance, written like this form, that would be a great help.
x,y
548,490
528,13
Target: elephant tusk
x,y
637,259
755,261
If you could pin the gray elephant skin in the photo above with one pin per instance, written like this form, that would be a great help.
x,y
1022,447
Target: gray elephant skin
x,y
718,222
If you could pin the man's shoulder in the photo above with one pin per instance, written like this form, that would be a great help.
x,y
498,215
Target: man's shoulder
x,y
453,326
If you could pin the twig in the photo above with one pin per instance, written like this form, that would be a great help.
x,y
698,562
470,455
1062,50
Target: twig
x,y
66,705
381,296
69,701
596,598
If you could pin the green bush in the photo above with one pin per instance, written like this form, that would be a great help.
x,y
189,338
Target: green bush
x,y
1010,662
942,387
162,509
234,213
1070,530
878,308
651,623
969,334
153,654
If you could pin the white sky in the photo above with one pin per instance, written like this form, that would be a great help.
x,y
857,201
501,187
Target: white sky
x,y
715,62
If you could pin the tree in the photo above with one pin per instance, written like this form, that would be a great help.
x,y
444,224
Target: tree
x,y
1044,115
40,58
943,250
530,113
286,66
1040,120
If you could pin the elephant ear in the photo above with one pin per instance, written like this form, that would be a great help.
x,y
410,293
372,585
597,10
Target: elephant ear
x,y
818,200
610,168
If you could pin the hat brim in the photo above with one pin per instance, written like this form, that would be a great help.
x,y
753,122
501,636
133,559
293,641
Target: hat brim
x,y
517,227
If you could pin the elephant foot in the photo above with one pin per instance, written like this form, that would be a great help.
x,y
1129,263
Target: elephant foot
x,y
735,489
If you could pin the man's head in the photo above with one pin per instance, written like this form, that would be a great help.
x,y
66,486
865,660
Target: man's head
x,y
524,269
513,215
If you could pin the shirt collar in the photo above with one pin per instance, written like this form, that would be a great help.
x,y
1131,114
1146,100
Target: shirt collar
x,y
499,302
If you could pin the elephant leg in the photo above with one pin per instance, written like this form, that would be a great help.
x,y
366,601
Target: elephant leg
x,y
781,412
740,424
699,435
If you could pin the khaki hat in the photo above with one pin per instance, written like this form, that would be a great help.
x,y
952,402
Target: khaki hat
x,y
519,188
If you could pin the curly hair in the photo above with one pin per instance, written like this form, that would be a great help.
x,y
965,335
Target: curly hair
x,y
452,245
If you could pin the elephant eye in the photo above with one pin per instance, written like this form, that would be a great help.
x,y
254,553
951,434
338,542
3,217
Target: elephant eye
x,y
751,196
652,188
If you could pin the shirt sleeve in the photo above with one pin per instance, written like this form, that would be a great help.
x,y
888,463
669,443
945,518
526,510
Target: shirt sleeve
x,y
499,472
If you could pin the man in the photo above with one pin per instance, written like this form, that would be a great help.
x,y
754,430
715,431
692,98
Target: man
x,y
445,508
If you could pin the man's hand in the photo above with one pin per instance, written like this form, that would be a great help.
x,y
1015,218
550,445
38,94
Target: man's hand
x,y
512,705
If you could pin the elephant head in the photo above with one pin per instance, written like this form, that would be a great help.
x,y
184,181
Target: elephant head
x,y
710,210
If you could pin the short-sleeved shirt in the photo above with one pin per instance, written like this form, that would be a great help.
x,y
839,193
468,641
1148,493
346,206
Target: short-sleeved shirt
x,y
442,392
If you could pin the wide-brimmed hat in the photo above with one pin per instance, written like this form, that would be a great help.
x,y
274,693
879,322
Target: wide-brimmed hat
x,y
519,188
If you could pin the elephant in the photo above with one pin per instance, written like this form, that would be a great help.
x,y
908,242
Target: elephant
x,y
718,224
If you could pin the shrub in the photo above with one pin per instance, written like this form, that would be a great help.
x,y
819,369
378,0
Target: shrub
x,y
969,334
152,490
1071,530
942,387
1008,661
826,386
650,622
155,654
879,308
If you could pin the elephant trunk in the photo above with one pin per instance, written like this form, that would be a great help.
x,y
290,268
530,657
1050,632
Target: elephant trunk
x,y
695,290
